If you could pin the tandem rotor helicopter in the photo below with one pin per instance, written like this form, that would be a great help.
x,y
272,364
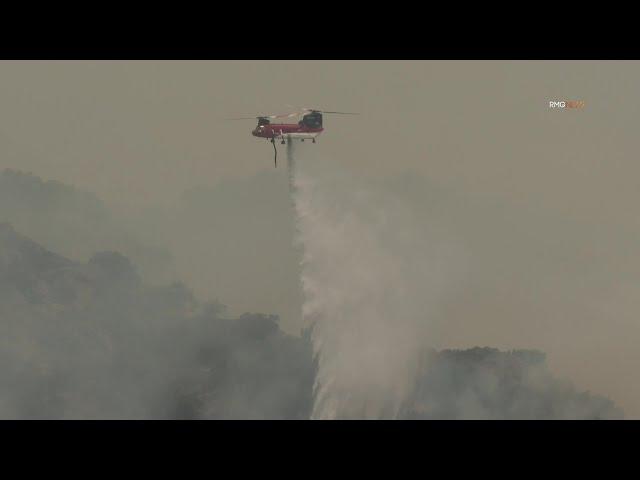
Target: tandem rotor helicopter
x,y
307,128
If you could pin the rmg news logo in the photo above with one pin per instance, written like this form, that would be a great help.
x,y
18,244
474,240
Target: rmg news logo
x,y
566,104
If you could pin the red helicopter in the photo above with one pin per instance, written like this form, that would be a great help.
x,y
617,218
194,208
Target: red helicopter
x,y
309,127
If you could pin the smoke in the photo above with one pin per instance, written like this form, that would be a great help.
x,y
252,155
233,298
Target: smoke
x,y
370,278
95,339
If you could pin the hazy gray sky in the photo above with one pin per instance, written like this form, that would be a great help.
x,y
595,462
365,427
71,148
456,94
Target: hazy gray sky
x,y
145,131
543,201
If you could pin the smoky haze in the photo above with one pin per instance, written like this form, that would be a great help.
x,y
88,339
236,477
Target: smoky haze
x,y
539,202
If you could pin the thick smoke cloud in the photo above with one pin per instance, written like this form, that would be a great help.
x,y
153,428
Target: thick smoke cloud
x,y
93,338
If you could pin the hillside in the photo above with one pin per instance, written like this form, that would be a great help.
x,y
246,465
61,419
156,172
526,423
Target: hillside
x,y
73,222
92,340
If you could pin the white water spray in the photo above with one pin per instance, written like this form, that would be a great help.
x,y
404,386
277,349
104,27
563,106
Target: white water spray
x,y
367,289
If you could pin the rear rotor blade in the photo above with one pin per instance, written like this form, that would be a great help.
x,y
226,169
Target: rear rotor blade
x,y
307,109
341,113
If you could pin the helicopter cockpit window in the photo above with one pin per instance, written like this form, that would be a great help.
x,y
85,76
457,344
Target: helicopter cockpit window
x,y
312,120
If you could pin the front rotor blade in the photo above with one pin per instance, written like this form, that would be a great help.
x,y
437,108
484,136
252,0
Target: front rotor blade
x,y
257,116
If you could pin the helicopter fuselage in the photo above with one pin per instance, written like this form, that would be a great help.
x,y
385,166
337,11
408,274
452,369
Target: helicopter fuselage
x,y
286,131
